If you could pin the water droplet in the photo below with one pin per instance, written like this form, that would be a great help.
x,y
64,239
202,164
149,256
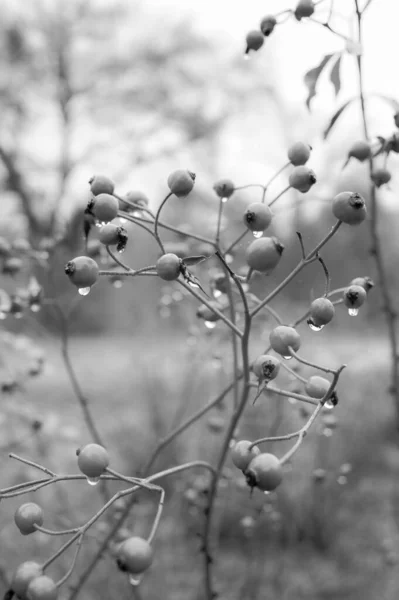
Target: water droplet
x,y
93,480
84,291
246,57
193,284
217,293
35,307
122,221
353,311
257,234
228,258
315,327
98,224
329,405
224,200
210,324
327,432
342,480
266,493
287,357
121,250
135,580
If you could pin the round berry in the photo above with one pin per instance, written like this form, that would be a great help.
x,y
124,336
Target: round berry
x,y
299,154
354,296
169,267
302,178
104,207
113,235
27,516
268,24
134,555
317,387
349,207
42,588
380,176
207,314
365,282
266,367
258,216
138,198
224,188
93,459
282,338
264,253
241,455
216,424
360,150
99,184
181,182
304,8
82,271
254,40
265,472
23,576
322,311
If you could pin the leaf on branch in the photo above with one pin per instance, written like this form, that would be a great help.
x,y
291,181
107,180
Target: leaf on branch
x,y
335,75
191,261
312,76
193,280
335,118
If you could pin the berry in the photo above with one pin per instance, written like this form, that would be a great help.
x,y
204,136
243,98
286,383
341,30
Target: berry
x,y
137,197
241,455
258,216
207,314
99,184
181,182
282,338
27,516
380,177
322,311
93,459
82,271
354,296
360,150
169,267
302,178
216,424
304,8
299,154
264,253
267,25
224,188
104,207
113,235
349,207
254,40
265,472
42,588
266,367
134,555
23,576
317,387
365,282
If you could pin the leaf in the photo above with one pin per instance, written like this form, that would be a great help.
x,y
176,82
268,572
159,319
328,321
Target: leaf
x,y
190,261
335,117
335,76
312,76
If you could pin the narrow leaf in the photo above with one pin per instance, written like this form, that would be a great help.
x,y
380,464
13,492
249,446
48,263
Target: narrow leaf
x,y
335,76
335,117
190,261
312,76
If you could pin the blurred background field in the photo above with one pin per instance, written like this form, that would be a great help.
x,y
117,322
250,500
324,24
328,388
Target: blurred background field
x,y
135,90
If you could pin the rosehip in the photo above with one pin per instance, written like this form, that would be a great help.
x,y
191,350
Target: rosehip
x,y
169,267
299,153
360,150
266,367
265,472
42,588
267,25
181,182
27,516
282,338
254,40
93,459
304,8
380,177
23,576
205,313
365,282
302,178
134,555
104,207
138,198
241,455
216,424
258,216
322,311
99,184
354,296
264,253
349,207
82,271
317,387
224,188
113,235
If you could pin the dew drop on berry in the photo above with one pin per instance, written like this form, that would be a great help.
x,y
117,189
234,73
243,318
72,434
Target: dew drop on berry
x,y
93,480
342,480
210,324
246,57
257,234
121,250
353,312
84,291
224,200
329,405
287,357
135,580
314,327
266,493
